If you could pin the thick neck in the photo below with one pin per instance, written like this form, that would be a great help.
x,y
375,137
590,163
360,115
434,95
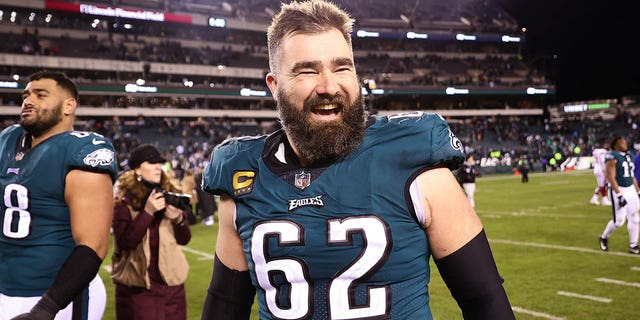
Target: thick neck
x,y
63,126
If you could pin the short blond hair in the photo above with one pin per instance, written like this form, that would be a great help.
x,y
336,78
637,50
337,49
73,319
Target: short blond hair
x,y
306,17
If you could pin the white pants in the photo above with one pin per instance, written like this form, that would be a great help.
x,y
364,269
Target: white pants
x,y
601,179
628,213
13,306
630,210
470,190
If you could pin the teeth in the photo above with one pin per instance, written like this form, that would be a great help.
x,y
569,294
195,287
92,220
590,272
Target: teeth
x,y
326,107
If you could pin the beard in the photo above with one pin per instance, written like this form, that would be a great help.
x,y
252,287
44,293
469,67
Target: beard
x,y
323,141
42,120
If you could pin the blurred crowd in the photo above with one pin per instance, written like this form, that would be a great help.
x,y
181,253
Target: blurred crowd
x,y
442,62
188,143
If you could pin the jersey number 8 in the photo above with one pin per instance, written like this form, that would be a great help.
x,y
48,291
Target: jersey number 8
x,y
16,217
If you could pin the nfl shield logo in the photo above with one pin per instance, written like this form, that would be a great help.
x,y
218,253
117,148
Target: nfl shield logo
x,y
19,156
303,180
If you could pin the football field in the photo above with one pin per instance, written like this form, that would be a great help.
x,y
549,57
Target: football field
x,y
544,237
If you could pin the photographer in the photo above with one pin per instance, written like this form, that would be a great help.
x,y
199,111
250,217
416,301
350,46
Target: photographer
x,y
149,225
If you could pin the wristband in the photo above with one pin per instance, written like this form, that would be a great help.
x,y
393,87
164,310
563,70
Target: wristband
x,y
74,276
230,294
45,309
472,277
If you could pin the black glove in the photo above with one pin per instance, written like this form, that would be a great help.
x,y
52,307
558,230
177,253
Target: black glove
x,y
45,309
621,201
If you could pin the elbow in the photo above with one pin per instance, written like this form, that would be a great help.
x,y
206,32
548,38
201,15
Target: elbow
x,y
183,241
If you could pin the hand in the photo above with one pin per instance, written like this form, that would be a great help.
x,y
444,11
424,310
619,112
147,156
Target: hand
x,y
155,202
621,201
174,214
45,309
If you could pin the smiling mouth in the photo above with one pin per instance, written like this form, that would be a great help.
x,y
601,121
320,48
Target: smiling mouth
x,y
326,109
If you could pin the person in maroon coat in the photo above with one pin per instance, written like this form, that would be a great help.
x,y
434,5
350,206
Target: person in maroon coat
x,y
149,267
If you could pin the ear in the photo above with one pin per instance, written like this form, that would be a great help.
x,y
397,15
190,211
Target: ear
x,y
272,83
69,106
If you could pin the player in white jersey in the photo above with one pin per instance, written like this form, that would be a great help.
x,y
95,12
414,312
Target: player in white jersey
x,y
599,172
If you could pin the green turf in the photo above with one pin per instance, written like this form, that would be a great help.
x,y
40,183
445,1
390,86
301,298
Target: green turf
x,y
544,238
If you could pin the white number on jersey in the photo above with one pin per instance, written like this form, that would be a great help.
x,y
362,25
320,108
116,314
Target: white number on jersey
x,y
374,253
13,228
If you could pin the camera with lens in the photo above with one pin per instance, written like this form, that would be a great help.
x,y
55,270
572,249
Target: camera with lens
x,y
178,200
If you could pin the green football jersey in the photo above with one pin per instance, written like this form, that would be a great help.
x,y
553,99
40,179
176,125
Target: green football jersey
x,y
342,240
36,234
624,167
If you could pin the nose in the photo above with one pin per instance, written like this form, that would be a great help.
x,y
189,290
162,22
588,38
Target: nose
x,y
328,84
26,102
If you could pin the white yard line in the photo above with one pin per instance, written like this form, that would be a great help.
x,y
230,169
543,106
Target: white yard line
x,y
584,296
495,177
635,268
619,282
203,255
567,248
536,313
535,212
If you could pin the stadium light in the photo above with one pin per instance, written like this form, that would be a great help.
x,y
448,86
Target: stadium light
x,y
463,37
367,34
415,35
532,90
246,92
506,38
217,22
452,91
133,88
9,84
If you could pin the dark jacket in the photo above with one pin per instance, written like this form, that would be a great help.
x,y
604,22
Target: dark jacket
x,y
467,173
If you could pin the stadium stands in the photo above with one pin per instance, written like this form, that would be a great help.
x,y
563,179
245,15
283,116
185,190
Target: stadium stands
x,y
192,59
197,76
